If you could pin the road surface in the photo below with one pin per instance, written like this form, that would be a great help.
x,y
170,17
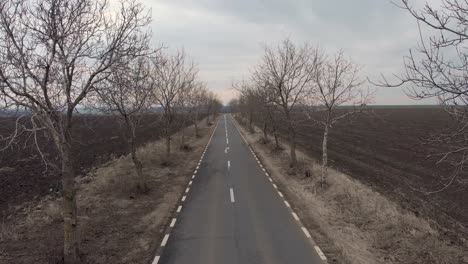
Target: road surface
x,y
233,214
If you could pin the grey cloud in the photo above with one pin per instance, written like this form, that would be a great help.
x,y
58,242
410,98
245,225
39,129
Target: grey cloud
x,y
224,37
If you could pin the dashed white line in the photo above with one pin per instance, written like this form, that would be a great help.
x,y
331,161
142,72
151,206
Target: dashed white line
x,y
156,260
183,198
193,176
320,253
231,192
227,141
280,194
164,242
295,216
187,190
274,185
306,232
270,179
229,164
287,204
179,208
195,171
173,222
190,183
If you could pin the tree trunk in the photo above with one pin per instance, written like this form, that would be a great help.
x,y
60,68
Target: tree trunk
x,y
292,142
324,172
141,185
197,133
250,122
276,139
182,137
293,149
168,145
69,207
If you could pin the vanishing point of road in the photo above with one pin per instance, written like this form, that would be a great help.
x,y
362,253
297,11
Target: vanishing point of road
x,y
233,213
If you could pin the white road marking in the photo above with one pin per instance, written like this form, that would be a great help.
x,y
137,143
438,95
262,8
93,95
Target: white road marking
x,y
266,173
173,222
183,198
274,185
270,179
295,216
287,204
229,164
198,167
156,260
164,242
263,169
227,141
195,171
280,194
179,208
226,150
193,176
320,253
187,190
190,183
306,232
231,192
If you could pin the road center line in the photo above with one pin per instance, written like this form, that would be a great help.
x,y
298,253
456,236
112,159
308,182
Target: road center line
x,y
231,191
229,164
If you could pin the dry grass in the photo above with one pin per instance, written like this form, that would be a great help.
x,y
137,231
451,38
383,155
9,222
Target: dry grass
x,y
364,225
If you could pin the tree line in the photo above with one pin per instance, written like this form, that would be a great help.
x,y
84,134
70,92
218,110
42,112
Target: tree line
x,y
300,82
292,83
59,55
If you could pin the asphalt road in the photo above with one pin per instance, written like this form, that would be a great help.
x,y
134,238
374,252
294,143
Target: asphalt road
x,y
233,214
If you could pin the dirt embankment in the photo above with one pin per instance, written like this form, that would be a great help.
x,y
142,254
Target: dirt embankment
x,y
350,221
117,225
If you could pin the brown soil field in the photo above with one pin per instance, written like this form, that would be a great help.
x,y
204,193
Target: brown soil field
x,y
97,139
387,150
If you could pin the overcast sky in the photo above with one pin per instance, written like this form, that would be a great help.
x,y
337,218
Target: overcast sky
x,y
225,38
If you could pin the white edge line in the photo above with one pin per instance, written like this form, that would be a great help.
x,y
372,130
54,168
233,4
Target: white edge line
x,y
274,185
183,198
179,208
156,260
295,216
306,232
190,183
320,253
280,194
287,204
173,222
187,190
164,242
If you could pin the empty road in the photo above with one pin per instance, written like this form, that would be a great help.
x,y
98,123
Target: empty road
x,y
232,212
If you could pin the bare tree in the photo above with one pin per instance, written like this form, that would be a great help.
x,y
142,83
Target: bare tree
x,y
125,93
437,69
196,100
52,55
286,71
336,83
172,77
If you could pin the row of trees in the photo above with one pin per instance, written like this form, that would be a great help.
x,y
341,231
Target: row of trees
x,y
59,55
301,81
292,83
